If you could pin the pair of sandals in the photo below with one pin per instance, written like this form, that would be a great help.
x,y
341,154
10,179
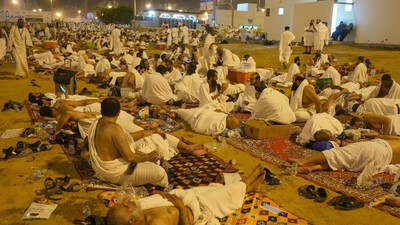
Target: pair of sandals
x,y
344,202
310,192
54,188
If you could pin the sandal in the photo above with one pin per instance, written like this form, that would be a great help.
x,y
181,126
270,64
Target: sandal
x,y
49,183
321,195
350,204
28,131
73,187
61,181
307,191
55,194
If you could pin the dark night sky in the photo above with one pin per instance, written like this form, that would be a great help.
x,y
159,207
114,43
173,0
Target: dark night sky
x,y
72,6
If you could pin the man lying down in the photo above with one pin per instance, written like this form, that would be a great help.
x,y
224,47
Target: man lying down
x,y
199,205
209,122
383,154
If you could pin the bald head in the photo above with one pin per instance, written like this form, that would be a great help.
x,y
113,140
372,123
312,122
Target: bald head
x,y
232,122
323,135
117,215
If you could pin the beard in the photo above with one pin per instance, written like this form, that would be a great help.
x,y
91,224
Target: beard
x,y
299,63
214,85
294,87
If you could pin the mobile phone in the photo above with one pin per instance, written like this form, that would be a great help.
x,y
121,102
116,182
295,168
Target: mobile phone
x,y
63,89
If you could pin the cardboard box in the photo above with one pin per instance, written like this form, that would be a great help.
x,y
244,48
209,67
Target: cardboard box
x,y
50,44
239,76
258,129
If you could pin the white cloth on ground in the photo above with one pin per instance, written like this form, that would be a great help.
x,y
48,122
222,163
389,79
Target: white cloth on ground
x,y
204,121
273,106
94,107
394,125
383,106
355,156
318,122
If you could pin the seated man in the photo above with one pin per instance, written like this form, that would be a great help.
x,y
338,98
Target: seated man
x,y
388,88
287,78
212,94
227,59
118,158
304,100
156,89
132,83
360,72
272,105
187,89
207,121
247,100
331,72
86,64
353,157
199,205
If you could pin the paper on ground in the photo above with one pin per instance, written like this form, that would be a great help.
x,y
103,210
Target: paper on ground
x,y
11,133
39,211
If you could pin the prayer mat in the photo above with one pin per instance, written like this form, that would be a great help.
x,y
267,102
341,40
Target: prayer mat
x,y
277,150
242,116
167,124
260,210
184,170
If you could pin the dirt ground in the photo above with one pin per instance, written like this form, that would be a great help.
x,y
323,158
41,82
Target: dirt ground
x,y
19,190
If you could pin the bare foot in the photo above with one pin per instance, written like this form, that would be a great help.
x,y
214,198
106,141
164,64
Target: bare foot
x,y
304,169
395,201
298,161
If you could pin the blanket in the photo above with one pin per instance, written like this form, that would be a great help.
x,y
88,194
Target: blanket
x,y
204,121
394,92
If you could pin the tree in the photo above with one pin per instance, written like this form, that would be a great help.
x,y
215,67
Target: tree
x,y
119,15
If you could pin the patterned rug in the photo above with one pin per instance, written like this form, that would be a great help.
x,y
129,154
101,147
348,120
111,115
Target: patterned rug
x,y
277,150
167,124
184,169
253,213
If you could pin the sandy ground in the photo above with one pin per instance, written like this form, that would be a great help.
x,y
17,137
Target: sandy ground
x,y
19,190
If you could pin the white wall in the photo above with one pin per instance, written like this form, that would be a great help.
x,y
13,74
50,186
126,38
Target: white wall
x,y
241,17
377,21
274,24
304,12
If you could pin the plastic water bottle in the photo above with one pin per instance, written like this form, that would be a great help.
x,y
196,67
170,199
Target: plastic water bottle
x,y
373,73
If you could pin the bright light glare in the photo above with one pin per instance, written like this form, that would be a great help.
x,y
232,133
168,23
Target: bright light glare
x,y
169,7
109,6
14,2
58,14
148,6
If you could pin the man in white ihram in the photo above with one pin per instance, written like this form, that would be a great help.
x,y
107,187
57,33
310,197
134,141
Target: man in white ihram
x,y
19,39
285,46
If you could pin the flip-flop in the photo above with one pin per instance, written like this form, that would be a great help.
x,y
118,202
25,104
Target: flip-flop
x,y
61,181
270,179
321,195
28,131
55,194
349,204
49,183
73,187
307,191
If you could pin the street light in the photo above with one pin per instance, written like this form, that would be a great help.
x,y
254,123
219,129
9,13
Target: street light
x,y
148,5
79,12
34,10
40,10
14,2
58,14
109,6
169,7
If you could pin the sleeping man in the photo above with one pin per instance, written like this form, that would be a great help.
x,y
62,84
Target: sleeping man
x,y
384,155
207,121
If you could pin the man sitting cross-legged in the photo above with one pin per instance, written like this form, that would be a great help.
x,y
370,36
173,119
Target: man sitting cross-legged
x,y
117,157
354,157
199,205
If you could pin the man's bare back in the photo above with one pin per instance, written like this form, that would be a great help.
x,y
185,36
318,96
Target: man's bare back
x,y
105,146
395,144
161,216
